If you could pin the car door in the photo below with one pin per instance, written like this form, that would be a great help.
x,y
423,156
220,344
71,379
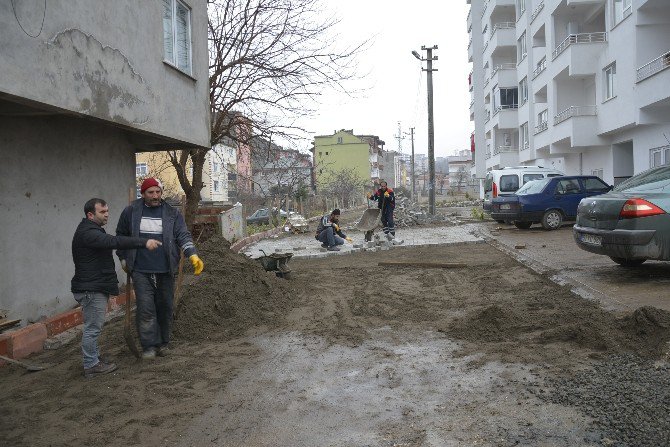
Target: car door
x,y
567,195
593,186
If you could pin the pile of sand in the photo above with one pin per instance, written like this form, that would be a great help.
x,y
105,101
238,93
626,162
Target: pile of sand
x,y
233,294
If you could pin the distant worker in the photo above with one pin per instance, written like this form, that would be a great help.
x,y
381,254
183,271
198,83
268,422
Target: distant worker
x,y
153,273
386,203
95,278
329,232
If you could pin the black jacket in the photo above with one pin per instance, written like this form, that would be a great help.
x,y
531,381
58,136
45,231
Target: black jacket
x,y
93,260
176,236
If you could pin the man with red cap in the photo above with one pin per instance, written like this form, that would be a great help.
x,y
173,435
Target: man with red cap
x,y
153,272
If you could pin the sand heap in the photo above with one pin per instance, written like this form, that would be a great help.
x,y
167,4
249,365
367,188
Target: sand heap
x,y
233,294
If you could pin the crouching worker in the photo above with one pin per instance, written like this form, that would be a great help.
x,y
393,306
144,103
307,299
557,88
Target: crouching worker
x,y
329,233
95,277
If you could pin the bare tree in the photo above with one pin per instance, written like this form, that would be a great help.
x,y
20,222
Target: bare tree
x,y
346,184
269,62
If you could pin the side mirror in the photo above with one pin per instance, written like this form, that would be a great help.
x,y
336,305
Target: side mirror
x,y
610,187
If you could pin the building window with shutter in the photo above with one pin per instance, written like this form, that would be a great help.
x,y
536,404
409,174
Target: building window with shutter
x,y
177,35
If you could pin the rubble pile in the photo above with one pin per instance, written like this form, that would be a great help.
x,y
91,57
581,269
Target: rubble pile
x,y
408,213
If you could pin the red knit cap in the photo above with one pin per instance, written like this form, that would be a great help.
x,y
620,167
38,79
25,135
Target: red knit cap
x,y
148,183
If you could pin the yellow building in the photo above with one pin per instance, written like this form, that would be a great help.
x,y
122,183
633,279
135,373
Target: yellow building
x,y
344,150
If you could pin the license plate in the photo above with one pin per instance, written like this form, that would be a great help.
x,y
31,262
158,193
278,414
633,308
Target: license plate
x,y
591,239
505,206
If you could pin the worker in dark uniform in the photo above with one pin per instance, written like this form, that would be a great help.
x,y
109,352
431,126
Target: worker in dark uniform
x,y
386,202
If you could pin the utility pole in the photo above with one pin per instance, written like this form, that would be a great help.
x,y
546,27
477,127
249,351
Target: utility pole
x,y
431,131
412,167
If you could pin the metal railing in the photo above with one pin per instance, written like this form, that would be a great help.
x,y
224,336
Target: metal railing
x,y
502,25
486,44
536,11
651,68
575,111
486,82
505,107
540,67
472,102
469,43
544,125
504,149
506,66
578,38
487,116
526,145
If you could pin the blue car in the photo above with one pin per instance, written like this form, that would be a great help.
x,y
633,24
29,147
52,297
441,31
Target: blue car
x,y
549,201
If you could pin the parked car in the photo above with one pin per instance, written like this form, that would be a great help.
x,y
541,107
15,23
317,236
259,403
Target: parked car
x,y
262,216
506,181
631,223
550,201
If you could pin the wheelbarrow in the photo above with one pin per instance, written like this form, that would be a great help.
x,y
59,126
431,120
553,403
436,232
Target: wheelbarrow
x,y
276,262
370,221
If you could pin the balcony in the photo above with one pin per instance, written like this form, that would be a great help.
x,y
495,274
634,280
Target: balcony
x,y
575,39
487,116
503,156
504,149
540,67
469,20
537,11
505,117
651,68
504,74
577,124
652,92
471,51
486,5
502,35
575,111
541,127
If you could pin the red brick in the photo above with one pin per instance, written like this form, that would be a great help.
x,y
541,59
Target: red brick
x,y
4,344
62,322
27,340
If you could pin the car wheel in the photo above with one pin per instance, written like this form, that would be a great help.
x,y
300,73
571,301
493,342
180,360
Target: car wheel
x,y
552,220
624,262
523,225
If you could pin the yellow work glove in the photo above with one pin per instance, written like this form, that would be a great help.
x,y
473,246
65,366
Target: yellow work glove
x,y
348,239
198,265
386,194
369,196
336,227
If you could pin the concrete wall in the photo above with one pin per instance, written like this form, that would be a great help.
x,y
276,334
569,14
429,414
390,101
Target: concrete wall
x,y
105,59
51,166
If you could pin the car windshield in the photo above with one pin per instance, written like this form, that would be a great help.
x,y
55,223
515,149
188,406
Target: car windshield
x,y
533,187
654,175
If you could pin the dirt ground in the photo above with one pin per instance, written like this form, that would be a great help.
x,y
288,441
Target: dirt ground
x,y
344,353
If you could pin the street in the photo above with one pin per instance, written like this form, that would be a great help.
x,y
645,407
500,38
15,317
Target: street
x,y
496,352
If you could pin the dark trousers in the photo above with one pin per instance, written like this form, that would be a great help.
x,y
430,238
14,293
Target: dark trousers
x,y
154,293
387,221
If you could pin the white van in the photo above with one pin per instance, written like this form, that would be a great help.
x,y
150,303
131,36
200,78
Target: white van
x,y
506,181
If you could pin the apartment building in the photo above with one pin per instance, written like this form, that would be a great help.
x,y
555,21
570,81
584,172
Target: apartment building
x,y
576,85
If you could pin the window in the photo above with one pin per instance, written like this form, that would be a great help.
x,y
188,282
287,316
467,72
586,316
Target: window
x,y
177,35
523,90
543,117
521,47
520,8
339,141
610,75
141,169
565,187
509,183
528,177
595,185
509,98
659,156
523,134
216,167
621,9
216,186
597,172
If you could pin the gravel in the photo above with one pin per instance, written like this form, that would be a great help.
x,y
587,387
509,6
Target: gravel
x,y
627,397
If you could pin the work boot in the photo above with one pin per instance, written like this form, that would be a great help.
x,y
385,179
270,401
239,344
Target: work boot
x,y
98,369
163,351
149,354
334,248
324,245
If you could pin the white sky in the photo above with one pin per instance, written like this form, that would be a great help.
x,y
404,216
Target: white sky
x,y
395,88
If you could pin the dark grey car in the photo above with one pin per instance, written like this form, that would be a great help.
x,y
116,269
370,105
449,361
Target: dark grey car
x,y
630,224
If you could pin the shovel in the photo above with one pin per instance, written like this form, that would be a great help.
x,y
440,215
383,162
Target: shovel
x,y
31,368
127,332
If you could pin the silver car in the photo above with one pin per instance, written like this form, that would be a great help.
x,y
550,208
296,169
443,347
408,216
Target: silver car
x,y
630,224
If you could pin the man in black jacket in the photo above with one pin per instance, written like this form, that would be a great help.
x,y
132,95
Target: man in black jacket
x,y
95,277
